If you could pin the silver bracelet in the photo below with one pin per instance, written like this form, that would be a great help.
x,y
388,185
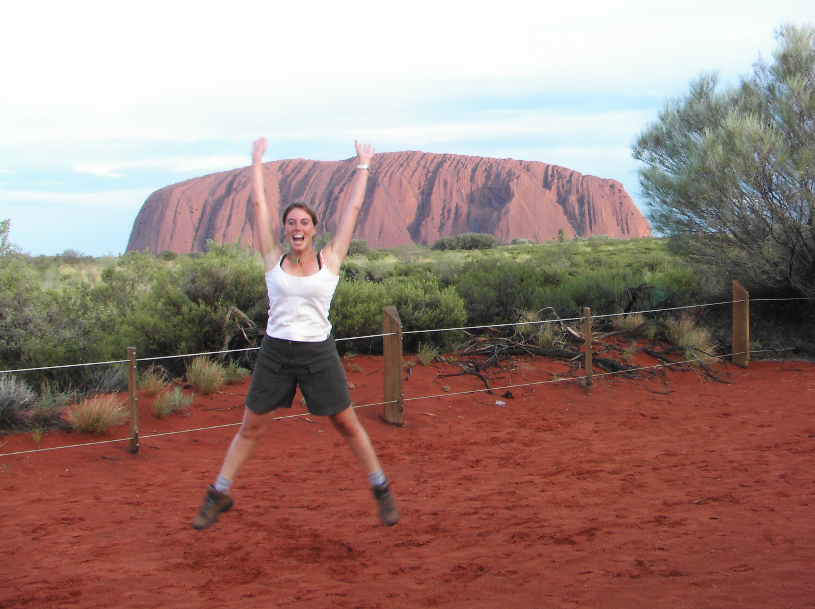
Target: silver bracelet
x,y
362,167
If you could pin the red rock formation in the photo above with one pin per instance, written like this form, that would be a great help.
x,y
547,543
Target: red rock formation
x,y
412,197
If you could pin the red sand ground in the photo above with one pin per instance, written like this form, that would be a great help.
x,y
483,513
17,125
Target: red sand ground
x,y
675,492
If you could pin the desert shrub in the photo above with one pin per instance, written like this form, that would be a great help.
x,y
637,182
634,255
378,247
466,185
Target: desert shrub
x,y
370,268
359,247
445,243
16,397
73,257
206,375
188,306
495,289
111,380
356,310
170,402
97,415
466,241
598,291
153,380
422,305
125,284
168,255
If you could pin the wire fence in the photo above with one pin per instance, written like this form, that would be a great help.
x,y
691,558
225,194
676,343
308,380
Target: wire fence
x,y
407,399
409,332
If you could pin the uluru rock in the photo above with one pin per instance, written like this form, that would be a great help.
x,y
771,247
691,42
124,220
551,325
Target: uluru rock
x,y
412,197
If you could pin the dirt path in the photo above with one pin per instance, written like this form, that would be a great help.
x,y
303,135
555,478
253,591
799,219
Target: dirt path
x,y
678,492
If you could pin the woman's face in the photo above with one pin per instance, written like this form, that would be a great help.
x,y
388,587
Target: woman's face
x,y
299,230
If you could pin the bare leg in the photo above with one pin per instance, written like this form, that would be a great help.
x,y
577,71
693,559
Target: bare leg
x,y
351,429
253,427
347,423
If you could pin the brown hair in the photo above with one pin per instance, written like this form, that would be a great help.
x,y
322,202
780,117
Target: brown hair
x,y
300,205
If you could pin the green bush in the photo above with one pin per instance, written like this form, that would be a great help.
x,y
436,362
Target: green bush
x,y
188,308
495,290
422,305
359,247
466,241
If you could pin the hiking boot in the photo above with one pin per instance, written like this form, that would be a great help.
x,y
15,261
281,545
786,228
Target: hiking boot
x,y
215,503
388,512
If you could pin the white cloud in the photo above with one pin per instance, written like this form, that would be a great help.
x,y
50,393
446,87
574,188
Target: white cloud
x,y
98,169
129,199
208,163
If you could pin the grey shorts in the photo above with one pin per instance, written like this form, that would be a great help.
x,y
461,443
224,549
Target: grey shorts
x,y
284,365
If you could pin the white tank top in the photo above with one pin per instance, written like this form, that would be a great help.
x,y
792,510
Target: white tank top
x,y
298,306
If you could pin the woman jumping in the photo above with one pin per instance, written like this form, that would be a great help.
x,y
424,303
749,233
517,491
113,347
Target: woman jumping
x,y
298,349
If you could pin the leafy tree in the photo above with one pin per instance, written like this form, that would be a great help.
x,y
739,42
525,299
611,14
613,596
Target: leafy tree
x,y
359,247
730,174
6,247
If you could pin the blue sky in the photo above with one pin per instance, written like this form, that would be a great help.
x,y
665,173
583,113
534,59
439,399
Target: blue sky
x,y
103,104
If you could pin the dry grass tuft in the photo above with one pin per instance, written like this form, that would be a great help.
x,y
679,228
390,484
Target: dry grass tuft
x,y
98,414
696,340
625,323
153,380
526,325
427,353
235,373
546,336
206,375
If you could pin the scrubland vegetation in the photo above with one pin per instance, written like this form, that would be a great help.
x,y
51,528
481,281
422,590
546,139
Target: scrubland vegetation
x,y
70,308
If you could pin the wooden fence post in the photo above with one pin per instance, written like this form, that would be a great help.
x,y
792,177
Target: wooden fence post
x,y
741,325
587,339
392,355
134,410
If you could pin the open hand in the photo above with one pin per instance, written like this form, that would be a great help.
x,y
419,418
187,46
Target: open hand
x,y
365,153
258,148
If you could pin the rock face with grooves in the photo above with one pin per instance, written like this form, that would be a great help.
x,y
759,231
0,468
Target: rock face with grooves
x,y
412,197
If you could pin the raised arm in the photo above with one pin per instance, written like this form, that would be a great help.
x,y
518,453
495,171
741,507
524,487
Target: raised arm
x,y
334,253
269,247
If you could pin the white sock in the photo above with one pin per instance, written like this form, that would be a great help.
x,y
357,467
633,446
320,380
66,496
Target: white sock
x,y
377,478
222,484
